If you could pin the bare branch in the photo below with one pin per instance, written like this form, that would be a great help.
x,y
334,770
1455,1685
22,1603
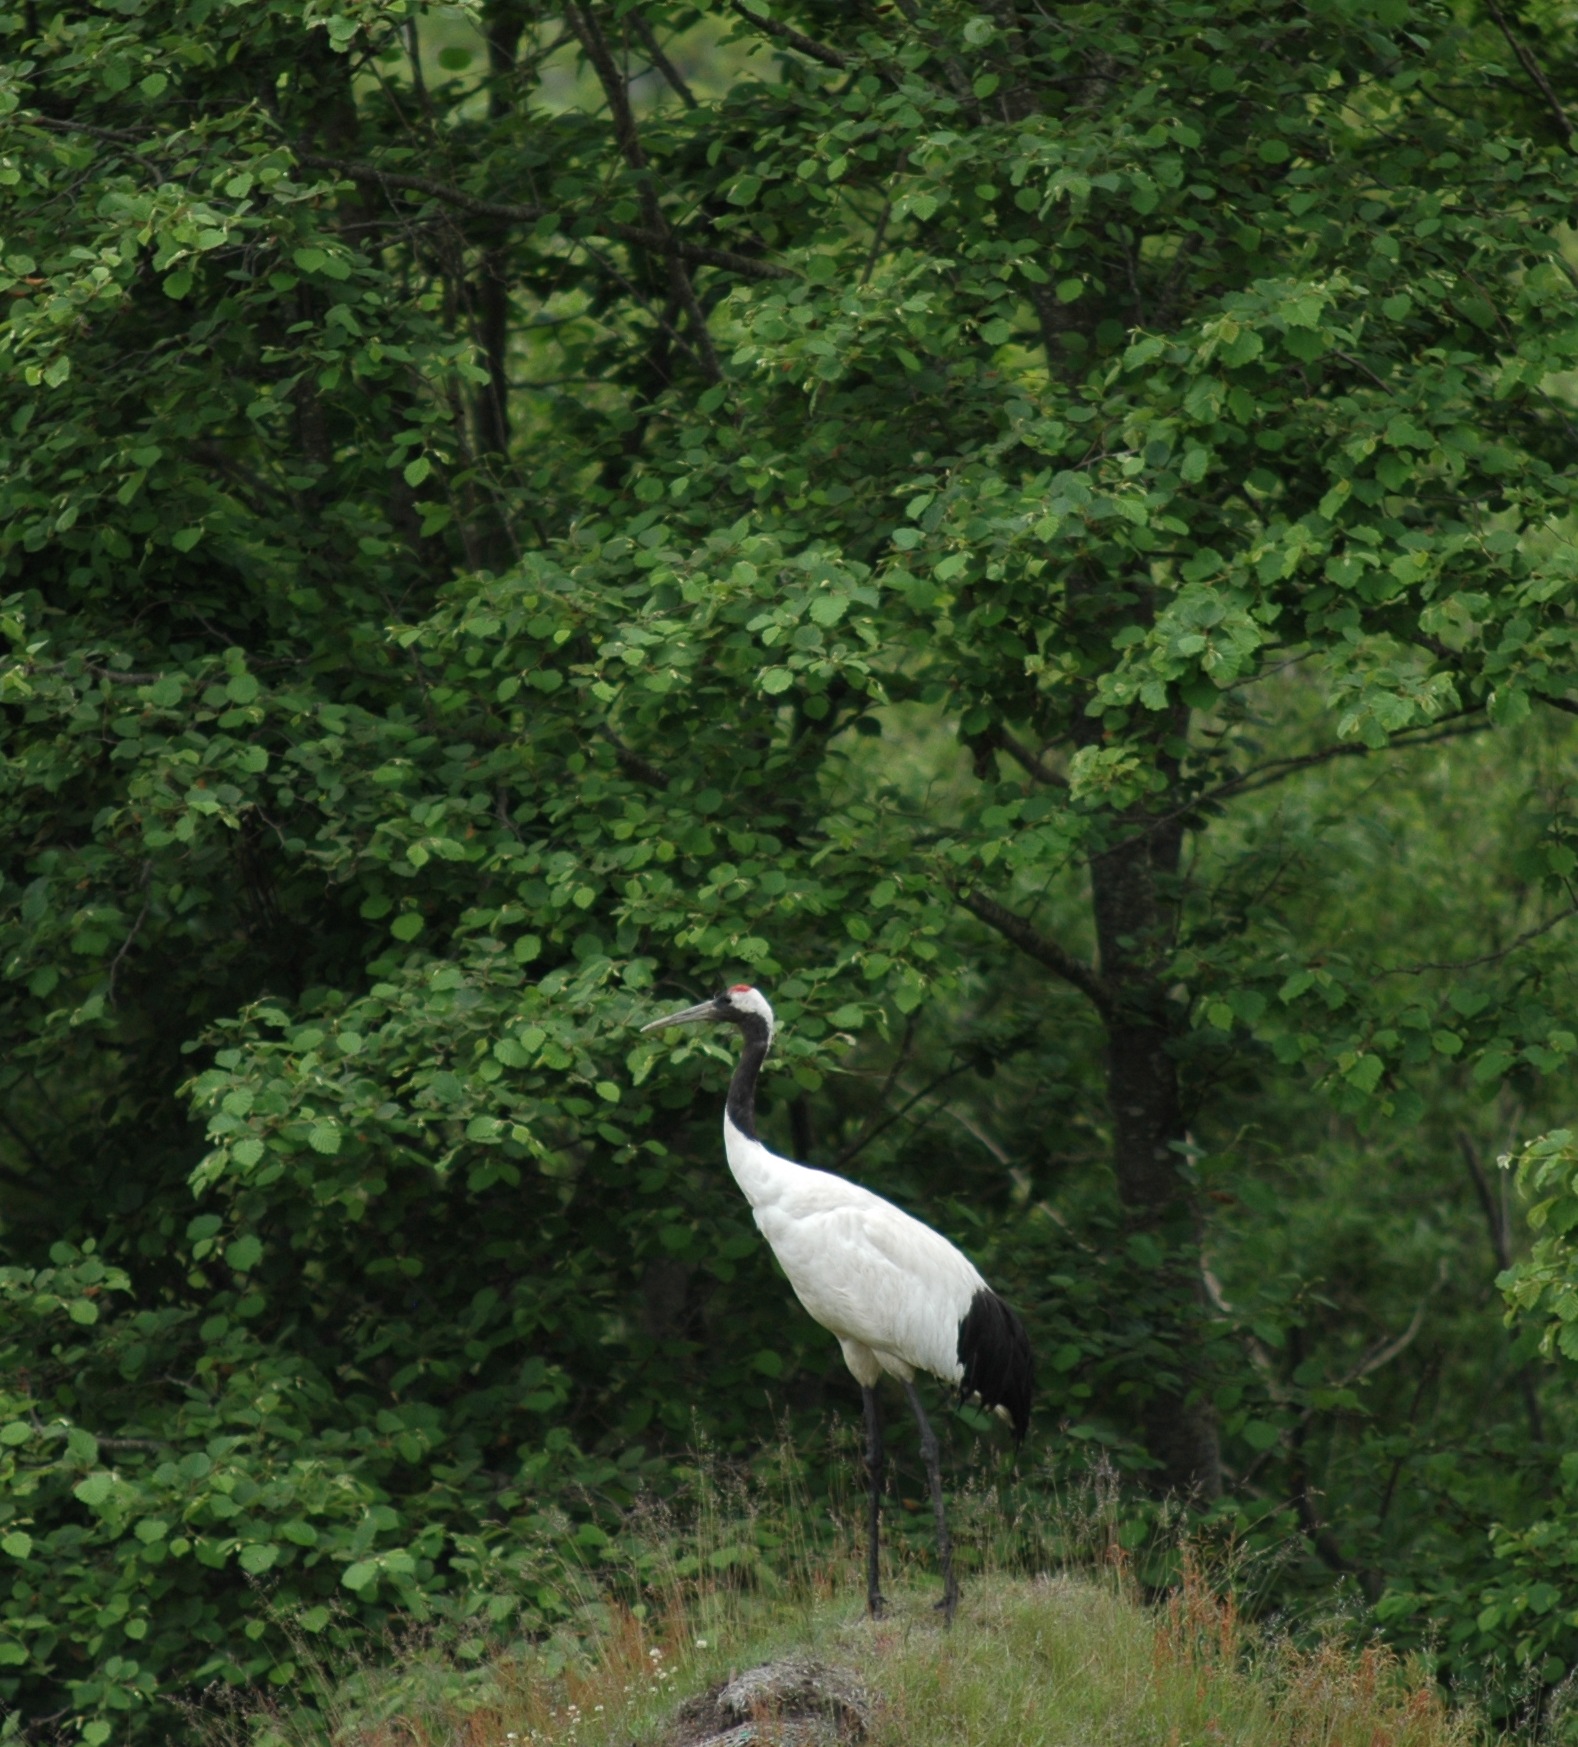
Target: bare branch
x,y
818,51
1533,68
119,134
131,933
903,1110
661,61
872,1124
1027,760
1468,964
1030,940
583,21
1388,1350
1262,776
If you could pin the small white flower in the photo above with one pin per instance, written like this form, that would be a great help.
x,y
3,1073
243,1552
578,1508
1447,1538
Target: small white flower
x,y
701,1643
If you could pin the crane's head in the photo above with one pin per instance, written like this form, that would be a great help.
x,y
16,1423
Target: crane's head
x,y
742,1006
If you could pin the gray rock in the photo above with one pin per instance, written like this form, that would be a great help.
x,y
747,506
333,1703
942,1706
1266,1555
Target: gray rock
x,y
794,1702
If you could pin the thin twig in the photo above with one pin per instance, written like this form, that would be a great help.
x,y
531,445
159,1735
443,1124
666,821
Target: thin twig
x,y
1262,776
131,933
1468,964
902,1111
882,1097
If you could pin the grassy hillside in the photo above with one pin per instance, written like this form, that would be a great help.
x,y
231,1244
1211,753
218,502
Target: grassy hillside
x,y
1054,1661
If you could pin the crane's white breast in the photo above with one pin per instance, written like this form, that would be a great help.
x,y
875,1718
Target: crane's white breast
x,y
870,1273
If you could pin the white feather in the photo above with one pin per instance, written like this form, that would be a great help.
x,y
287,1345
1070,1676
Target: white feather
x,y
891,1289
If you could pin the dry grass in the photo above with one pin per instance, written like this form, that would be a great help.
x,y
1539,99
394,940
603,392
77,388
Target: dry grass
x,y
1049,1661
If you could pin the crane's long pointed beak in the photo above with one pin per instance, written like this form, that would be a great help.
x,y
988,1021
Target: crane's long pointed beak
x,y
702,1010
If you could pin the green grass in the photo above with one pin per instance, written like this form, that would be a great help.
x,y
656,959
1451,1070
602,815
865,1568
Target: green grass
x,y
1054,1645
1049,1660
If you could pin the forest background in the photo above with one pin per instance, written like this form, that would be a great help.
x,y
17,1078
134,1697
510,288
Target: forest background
x,y
1043,535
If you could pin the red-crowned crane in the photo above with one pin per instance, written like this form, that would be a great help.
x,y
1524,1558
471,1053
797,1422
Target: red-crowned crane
x,y
899,1298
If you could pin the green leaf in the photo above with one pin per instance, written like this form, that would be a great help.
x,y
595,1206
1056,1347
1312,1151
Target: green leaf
x,y
1365,1072
95,1489
246,1252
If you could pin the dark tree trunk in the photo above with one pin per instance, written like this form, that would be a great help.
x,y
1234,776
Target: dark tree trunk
x,y
1132,888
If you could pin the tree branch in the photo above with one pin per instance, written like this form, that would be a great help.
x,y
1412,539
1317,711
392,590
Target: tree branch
x,y
664,242
871,1133
818,51
1274,770
120,135
1034,944
1502,1250
583,21
661,61
131,933
1027,760
1468,964
1533,68
871,1126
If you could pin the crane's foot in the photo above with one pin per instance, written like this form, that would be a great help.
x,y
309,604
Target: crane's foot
x,y
877,1605
949,1605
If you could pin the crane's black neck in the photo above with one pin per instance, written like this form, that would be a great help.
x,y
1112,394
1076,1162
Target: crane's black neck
x,y
741,1106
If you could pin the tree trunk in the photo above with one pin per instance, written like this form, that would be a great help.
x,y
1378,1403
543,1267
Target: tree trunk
x,y
1134,908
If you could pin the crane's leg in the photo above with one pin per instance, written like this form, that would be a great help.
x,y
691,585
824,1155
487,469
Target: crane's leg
x,y
933,1455
876,1602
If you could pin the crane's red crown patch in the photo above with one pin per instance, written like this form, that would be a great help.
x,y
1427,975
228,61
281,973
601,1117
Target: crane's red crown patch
x,y
739,988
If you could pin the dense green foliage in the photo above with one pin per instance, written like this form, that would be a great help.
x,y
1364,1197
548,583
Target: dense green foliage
x,y
1046,540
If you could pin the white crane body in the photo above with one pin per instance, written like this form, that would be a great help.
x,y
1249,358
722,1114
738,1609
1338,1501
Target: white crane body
x,y
893,1292
898,1296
